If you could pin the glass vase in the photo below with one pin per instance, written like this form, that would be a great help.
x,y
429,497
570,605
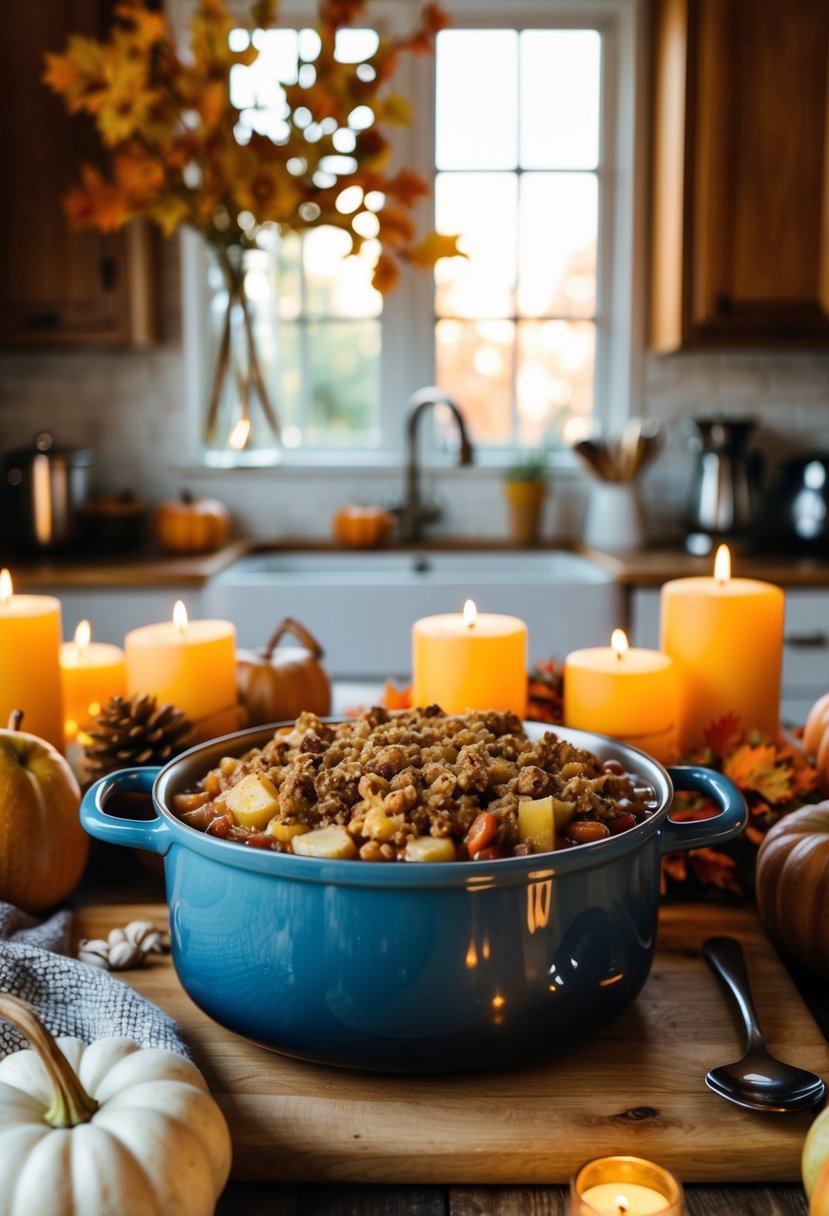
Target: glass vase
x,y
241,410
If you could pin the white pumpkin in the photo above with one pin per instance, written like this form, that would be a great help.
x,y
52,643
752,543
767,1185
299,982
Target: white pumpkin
x,y
110,1129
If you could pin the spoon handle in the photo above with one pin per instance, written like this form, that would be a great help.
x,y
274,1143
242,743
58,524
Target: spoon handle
x,y
725,957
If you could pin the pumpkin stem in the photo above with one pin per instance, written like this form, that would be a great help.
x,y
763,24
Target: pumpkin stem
x,y
71,1104
289,625
15,719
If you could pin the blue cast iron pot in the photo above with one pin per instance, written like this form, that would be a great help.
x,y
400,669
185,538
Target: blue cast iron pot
x,y
419,966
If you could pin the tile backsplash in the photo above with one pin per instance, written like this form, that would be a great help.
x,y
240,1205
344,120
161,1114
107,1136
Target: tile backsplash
x,y
128,407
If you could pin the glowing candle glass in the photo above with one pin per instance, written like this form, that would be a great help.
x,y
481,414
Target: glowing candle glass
x,y
189,664
628,693
470,661
30,635
91,673
624,1186
726,637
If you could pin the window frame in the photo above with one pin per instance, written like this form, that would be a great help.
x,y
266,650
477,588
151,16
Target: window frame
x,y
408,318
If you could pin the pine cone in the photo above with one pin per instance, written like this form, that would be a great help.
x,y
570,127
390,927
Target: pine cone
x,y
135,731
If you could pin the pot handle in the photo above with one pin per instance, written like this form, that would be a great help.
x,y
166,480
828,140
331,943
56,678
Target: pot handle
x,y
151,834
677,835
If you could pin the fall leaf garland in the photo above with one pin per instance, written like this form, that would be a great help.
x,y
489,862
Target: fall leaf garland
x,y
178,152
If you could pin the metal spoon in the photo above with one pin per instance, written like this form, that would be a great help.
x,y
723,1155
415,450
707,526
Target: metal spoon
x,y
758,1081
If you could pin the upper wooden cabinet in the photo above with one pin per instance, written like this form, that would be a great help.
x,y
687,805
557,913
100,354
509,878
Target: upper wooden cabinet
x,y
56,285
740,173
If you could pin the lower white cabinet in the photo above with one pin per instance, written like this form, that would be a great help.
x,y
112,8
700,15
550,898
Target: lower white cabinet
x,y
805,647
113,613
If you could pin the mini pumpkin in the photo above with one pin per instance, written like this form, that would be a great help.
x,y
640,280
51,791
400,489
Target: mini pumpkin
x,y
279,683
816,739
191,524
792,885
362,527
112,1127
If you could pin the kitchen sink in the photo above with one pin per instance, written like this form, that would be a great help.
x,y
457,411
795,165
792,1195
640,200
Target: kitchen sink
x,y
361,606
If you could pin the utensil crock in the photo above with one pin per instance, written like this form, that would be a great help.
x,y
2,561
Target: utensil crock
x,y
412,967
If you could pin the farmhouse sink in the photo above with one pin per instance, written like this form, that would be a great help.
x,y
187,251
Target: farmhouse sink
x,y
361,606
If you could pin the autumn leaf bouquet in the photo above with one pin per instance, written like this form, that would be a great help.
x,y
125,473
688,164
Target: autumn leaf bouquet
x,y
178,151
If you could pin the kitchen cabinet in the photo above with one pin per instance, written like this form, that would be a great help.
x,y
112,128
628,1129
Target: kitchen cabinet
x,y
805,647
740,173
113,613
59,285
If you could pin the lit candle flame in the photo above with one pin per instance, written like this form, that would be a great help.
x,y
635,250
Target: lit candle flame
x,y
619,643
180,616
83,636
470,614
722,565
6,588
621,1205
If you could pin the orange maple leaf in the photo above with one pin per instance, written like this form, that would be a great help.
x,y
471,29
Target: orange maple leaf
x,y
397,698
757,768
724,734
396,226
386,274
431,249
714,869
406,187
96,202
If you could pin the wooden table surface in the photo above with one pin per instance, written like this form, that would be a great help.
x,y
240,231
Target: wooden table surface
x,y
116,876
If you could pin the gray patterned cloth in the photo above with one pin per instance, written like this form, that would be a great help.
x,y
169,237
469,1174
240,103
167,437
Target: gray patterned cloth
x,y
71,998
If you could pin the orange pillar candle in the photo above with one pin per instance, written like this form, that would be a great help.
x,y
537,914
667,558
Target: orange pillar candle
x,y
470,661
30,633
91,673
726,637
189,664
628,693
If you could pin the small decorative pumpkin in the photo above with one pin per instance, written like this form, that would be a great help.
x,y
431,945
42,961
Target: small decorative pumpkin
x,y
191,525
112,1127
816,739
792,885
362,527
280,682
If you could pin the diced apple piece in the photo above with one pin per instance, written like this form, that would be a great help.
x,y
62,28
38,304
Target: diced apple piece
x,y
536,823
332,842
378,825
563,813
287,831
253,802
430,848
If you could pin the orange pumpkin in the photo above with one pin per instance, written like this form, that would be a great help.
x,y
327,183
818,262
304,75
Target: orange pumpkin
x,y
792,885
278,683
816,739
191,525
362,527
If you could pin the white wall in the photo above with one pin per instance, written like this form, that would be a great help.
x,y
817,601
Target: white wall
x,y
128,406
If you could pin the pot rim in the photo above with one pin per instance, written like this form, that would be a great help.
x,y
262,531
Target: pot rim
x,y
471,875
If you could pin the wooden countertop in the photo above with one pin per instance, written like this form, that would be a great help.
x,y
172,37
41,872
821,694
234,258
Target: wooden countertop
x,y
644,568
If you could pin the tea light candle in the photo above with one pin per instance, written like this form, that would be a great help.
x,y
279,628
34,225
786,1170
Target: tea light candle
x,y
30,637
190,664
726,637
91,673
470,661
624,1186
630,694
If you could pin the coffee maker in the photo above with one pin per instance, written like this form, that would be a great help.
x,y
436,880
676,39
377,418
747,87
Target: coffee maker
x,y
725,484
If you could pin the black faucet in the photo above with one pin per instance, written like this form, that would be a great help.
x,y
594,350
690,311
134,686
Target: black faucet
x,y
414,514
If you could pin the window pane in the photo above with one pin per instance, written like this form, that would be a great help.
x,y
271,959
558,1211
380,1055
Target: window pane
x,y
337,285
555,375
560,90
476,100
345,383
558,226
474,366
483,208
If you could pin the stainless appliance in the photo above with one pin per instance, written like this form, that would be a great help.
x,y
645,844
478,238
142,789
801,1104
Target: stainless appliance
x,y
801,505
726,476
45,488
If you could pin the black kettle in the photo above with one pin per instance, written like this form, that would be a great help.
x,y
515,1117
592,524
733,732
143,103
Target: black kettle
x,y
724,493
801,505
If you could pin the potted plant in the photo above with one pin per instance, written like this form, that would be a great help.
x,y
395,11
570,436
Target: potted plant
x,y
525,486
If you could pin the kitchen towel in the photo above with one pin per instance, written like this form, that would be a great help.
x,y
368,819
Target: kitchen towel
x,y
70,997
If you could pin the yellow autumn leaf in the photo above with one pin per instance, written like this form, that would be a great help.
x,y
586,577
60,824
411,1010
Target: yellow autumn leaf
x,y
432,248
393,109
756,768
170,213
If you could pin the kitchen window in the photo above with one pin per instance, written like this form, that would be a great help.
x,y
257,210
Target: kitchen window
x,y
525,126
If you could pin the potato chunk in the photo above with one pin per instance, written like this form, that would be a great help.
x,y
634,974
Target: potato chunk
x,y
287,831
430,848
332,842
377,825
536,823
253,802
